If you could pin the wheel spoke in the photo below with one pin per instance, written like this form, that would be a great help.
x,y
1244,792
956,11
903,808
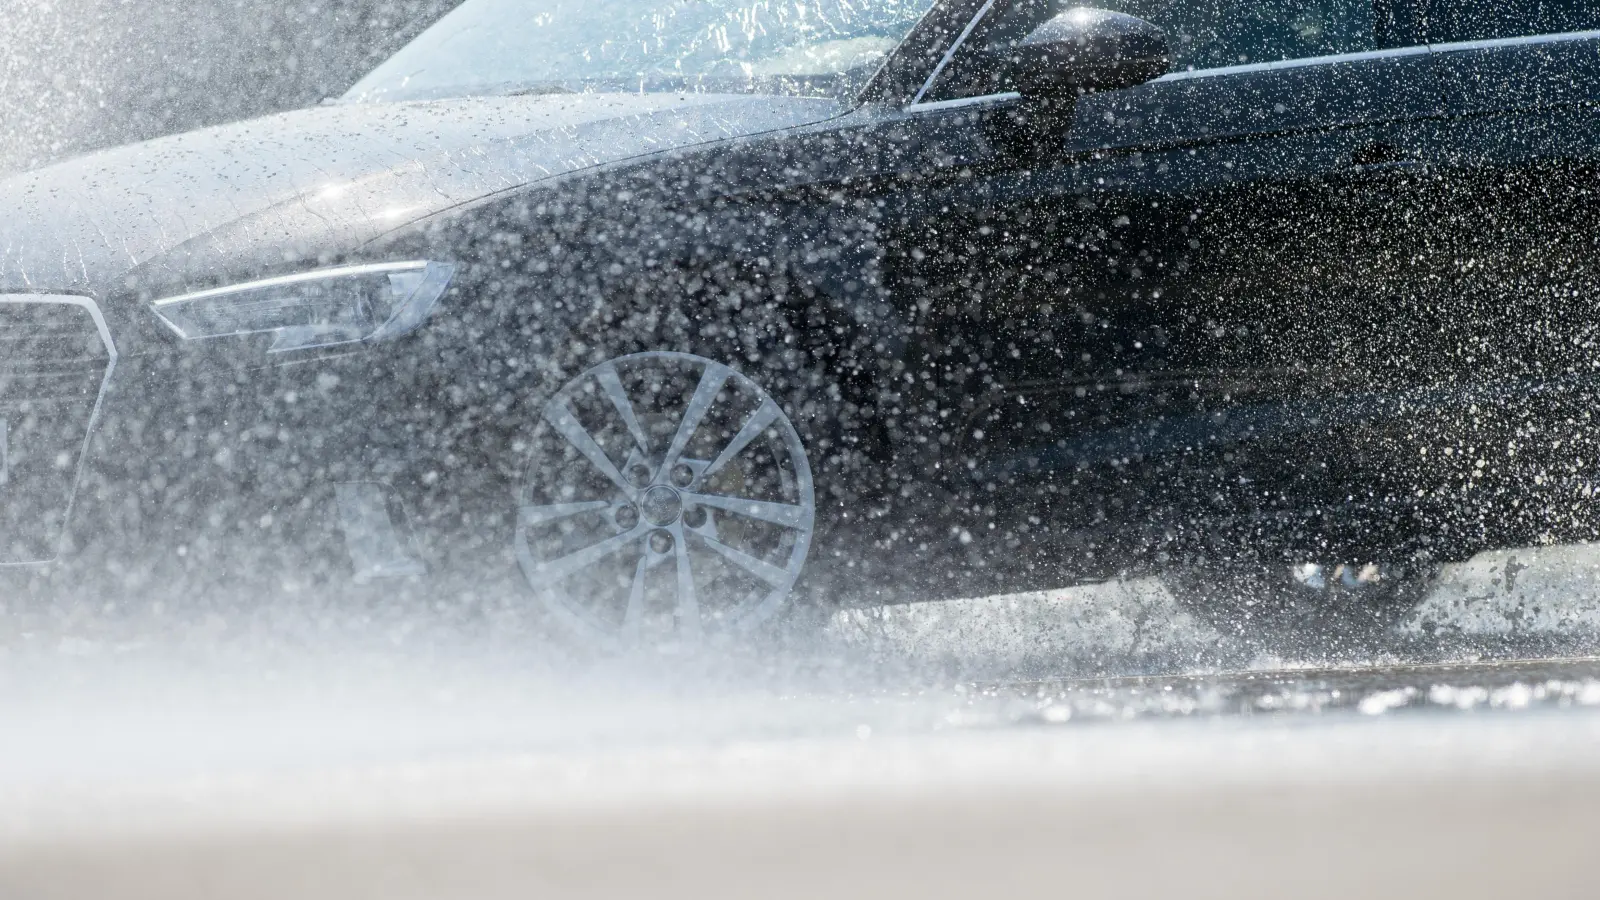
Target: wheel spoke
x,y
538,515
588,556
705,393
776,513
758,422
688,598
630,619
611,383
765,571
560,415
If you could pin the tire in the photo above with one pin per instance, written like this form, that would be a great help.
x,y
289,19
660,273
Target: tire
x,y
1305,614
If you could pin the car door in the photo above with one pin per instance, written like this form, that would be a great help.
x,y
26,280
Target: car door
x,y
1516,230
1516,55
1163,309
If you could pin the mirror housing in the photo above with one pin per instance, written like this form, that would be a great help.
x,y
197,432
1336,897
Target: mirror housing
x,y
1085,49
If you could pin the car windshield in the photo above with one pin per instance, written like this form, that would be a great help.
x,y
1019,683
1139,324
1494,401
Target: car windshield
x,y
820,47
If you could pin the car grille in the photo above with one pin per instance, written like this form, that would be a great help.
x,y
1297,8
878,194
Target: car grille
x,y
56,358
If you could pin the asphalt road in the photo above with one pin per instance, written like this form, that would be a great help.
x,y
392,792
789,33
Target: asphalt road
x,y
1461,781
1079,741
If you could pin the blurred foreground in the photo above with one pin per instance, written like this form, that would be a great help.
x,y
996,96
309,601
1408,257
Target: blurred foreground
x,y
1464,807
934,750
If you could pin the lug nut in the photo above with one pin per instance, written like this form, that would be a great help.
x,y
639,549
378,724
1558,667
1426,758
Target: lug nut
x,y
639,474
627,518
661,542
695,517
682,475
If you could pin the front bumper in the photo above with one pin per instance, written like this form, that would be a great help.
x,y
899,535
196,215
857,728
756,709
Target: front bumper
x,y
57,361
214,466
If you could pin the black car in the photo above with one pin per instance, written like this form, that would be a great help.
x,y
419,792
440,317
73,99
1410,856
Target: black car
x,y
642,307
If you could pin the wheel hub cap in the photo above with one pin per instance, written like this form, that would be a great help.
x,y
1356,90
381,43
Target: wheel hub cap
x,y
661,506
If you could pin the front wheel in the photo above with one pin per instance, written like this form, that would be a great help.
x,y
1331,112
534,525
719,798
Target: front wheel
x,y
667,500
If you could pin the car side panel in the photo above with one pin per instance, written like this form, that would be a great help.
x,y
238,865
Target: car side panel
x,y
1514,200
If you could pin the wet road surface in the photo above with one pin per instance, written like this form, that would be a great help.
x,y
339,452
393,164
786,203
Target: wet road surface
x,y
1505,685
1326,800
1459,780
1089,738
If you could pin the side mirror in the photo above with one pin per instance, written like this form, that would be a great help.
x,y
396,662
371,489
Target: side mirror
x,y
1083,50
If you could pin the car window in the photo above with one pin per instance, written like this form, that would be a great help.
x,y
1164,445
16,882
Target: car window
x,y
1451,21
825,47
1208,34
1204,34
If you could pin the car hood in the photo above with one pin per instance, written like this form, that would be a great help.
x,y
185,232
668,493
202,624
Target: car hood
x,y
269,192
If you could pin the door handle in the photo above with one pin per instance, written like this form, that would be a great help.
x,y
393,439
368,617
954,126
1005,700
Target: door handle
x,y
1383,156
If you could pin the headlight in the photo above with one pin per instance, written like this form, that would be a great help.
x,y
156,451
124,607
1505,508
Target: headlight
x,y
314,309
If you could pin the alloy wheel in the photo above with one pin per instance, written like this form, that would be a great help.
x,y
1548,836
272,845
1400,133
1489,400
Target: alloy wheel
x,y
667,501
